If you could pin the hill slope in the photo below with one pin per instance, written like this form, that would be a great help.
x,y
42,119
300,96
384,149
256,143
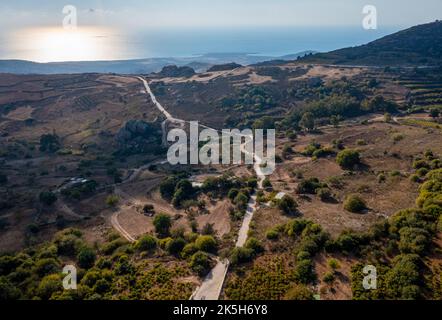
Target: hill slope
x,y
419,45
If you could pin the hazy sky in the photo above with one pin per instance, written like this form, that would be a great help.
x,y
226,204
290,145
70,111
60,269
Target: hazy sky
x,y
147,13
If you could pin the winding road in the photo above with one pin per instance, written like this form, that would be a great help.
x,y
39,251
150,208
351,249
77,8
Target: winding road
x,y
212,285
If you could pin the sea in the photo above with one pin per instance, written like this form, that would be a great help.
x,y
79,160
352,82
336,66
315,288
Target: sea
x,y
188,42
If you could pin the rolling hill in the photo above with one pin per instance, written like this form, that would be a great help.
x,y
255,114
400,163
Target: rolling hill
x,y
417,46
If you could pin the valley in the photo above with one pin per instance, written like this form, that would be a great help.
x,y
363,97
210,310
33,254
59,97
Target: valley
x,y
84,179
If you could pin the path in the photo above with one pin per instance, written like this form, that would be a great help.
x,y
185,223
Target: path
x,y
212,285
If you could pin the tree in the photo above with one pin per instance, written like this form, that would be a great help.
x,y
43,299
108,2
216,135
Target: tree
x,y
307,121
255,245
206,244
241,255
176,246
348,158
200,263
49,143
146,243
354,204
162,223
304,271
49,285
434,113
167,188
335,120
48,198
7,290
86,258
287,204
112,200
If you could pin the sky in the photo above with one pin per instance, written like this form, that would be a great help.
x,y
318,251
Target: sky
x,y
127,29
135,14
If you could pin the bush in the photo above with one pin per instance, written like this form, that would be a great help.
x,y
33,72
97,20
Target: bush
x,y
112,200
255,245
162,223
146,243
206,244
334,264
7,290
310,186
324,194
329,277
188,250
241,255
176,246
348,159
299,292
287,204
200,263
272,234
48,198
86,258
354,204
49,285
304,271
47,266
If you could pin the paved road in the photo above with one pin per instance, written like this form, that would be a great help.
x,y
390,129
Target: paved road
x,y
213,283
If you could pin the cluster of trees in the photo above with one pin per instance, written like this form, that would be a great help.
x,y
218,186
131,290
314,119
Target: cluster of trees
x,y
177,189
112,270
80,190
316,150
49,143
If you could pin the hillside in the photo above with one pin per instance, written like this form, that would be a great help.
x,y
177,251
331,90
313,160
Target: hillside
x,y
419,45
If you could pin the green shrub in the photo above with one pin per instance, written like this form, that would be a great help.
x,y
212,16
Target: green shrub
x,y
334,264
329,277
241,255
86,258
47,266
162,223
112,200
272,234
176,246
304,271
324,194
48,198
146,243
348,159
49,285
200,263
255,245
206,244
354,204
299,292
287,204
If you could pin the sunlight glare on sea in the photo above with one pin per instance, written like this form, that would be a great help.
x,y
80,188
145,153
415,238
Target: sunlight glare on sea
x,y
52,44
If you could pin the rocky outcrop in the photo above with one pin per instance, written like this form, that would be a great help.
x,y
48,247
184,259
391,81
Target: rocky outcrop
x,y
176,72
224,67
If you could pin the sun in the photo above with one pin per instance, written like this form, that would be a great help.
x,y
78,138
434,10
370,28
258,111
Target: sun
x,y
58,44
